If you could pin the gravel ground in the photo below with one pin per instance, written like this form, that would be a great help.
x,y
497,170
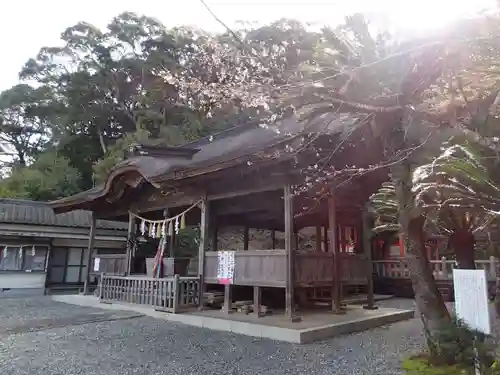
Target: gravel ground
x,y
143,345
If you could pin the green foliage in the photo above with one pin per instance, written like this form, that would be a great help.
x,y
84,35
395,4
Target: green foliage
x,y
421,366
187,241
455,351
455,345
385,209
23,121
459,183
136,80
49,177
457,190
5,191
115,154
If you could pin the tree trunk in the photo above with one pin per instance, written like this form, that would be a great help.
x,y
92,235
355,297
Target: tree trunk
x,y
462,242
428,299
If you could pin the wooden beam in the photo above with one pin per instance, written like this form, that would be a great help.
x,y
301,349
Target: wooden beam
x,y
173,200
267,201
367,234
332,222
231,221
242,192
290,254
90,249
204,222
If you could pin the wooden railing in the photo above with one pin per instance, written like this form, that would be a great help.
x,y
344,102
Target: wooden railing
x,y
251,268
354,268
441,269
267,268
171,294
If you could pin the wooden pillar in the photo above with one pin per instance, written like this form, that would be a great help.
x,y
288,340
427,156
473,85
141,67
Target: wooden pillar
x,y
90,249
227,307
318,238
290,254
171,239
131,233
401,245
245,237
214,234
367,247
336,287
257,296
273,239
171,245
341,239
325,238
205,214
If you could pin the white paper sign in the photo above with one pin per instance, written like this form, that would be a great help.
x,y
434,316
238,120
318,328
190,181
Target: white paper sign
x,y
97,262
225,267
471,299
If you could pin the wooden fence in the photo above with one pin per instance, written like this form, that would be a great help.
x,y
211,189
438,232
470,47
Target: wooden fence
x,y
441,269
171,294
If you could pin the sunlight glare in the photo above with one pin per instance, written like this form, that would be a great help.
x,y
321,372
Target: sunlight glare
x,y
427,15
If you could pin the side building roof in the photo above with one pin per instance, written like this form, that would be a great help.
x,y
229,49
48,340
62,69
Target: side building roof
x,y
18,211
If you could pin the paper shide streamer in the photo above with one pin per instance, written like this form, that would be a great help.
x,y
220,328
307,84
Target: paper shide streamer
x,y
165,227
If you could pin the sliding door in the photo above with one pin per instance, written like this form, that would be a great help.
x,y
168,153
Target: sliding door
x,y
68,265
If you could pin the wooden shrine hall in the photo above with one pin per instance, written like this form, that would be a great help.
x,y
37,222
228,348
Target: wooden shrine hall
x,y
254,177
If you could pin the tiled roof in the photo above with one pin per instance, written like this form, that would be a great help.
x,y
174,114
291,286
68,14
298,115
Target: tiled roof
x,y
14,211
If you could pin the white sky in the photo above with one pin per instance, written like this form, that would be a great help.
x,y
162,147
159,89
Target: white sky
x,y
27,25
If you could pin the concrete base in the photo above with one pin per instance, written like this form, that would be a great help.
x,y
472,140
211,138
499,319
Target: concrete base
x,y
314,325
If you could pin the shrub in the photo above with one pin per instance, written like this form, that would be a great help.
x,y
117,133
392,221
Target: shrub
x,y
421,366
455,353
455,345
